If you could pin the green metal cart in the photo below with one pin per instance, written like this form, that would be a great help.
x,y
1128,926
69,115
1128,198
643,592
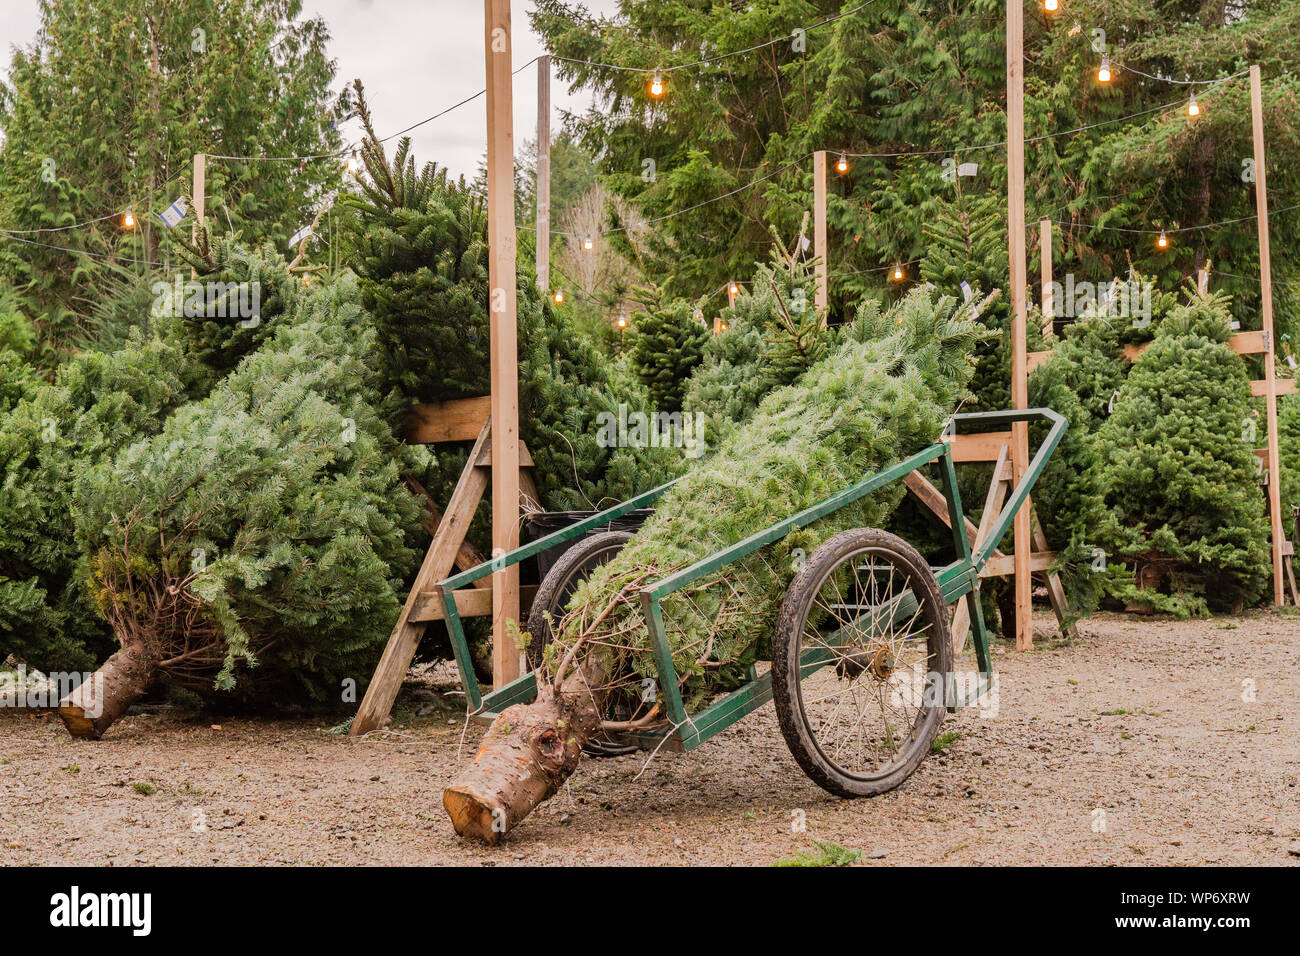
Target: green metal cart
x,y
862,659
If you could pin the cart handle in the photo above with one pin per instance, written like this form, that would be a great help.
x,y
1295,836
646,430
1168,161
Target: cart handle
x,y
567,533
1033,471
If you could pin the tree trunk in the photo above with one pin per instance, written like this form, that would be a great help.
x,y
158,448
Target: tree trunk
x,y
527,753
98,703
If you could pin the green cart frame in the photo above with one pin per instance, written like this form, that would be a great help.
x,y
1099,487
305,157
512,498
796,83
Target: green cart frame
x,y
685,731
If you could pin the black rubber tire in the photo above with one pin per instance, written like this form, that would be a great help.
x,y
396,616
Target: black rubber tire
x,y
573,567
786,649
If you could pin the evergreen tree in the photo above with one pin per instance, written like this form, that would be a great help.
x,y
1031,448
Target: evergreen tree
x,y
419,246
1179,474
102,113
97,404
773,335
261,539
667,344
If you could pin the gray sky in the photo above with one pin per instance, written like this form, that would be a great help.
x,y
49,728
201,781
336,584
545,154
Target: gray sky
x,y
416,57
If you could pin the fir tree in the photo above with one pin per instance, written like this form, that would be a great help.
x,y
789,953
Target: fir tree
x,y
667,345
1179,474
261,539
97,404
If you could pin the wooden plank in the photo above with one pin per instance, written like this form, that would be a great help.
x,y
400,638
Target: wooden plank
x,y
438,560
467,556
1045,269
1248,343
1019,311
822,295
199,196
1243,343
543,254
470,602
484,459
1266,303
983,447
1055,589
1035,359
1004,565
502,306
1281,386
458,419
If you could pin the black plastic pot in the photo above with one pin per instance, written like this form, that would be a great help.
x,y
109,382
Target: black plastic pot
x,y
542,523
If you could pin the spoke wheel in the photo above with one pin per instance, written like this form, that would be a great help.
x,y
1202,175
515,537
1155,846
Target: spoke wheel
x,y
860,663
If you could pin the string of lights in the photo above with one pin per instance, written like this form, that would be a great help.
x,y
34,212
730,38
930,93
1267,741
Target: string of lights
x,y
658,72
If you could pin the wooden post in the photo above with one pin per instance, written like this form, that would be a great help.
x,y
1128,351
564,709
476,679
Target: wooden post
x,y
504,347
819,232
1045,265
544,172
1018,279
197,194
1266,301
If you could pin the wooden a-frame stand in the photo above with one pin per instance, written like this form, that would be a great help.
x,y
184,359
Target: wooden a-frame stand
x,y
447,550
994,447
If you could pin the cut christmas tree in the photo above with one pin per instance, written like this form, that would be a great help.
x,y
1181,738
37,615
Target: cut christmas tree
x,y
261,539
882,394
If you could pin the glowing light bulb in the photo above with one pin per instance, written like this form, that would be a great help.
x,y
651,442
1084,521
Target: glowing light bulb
x,y
1051,6
588,244
1103,74
1193,109
657,86
622,322
898,272
843,165
128,220
353,165
559,297
1163,241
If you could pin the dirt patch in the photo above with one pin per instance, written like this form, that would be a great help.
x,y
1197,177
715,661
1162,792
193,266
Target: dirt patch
x,y
1182,738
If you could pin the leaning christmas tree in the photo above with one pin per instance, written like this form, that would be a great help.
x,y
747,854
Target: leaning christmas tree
x,y
261,538
883,393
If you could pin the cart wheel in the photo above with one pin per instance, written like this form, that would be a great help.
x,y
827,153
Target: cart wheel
x,y
860,662
574,567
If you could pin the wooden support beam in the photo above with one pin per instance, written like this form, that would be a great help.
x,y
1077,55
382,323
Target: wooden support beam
x,y
1055,589
467,556
438,560
1035,359
822,297
470,602
502,308
198,193
981,447
1266,302
999,566
544,172
1019,313
1281,386
458,419
1243,343
1045,266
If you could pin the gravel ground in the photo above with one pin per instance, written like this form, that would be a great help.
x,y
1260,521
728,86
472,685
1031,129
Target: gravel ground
x,y
1144,741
